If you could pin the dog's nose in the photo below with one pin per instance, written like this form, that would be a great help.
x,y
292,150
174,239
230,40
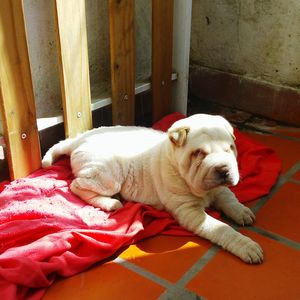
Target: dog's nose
x,y
222,172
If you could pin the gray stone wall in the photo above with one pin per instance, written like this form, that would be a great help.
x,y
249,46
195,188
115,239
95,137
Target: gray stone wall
x,y
255,38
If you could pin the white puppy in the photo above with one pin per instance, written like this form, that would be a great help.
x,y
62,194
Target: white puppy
x,y
182,171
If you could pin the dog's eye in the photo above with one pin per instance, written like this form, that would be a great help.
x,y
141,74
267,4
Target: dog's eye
x,y
199,152
230,149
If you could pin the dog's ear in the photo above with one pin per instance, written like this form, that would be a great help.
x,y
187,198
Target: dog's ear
x,y
178,135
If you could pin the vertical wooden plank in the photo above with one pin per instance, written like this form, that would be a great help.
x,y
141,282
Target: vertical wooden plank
x,y
16,92
181,53
162,32
122,55
73,64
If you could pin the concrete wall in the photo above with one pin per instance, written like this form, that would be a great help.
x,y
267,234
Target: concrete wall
x,y
246,54
257,38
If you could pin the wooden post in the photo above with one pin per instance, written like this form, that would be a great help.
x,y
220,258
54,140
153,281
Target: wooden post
x,y
73,65
162,32
122,55
16,92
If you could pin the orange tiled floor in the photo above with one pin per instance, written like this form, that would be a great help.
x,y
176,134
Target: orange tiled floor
x,y
167,267
297,176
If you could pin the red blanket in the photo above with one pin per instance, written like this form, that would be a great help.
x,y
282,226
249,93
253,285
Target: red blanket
x,y
47,231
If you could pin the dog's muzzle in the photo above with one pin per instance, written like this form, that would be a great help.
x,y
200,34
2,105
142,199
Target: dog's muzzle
x,y
223,175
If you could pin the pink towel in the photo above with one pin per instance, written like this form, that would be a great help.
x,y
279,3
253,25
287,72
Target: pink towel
x,y
47,231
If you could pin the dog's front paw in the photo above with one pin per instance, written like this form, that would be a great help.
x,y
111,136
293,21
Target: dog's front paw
x,y
251,252
243,215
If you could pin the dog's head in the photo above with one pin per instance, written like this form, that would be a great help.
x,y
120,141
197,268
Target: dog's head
x,y
204,150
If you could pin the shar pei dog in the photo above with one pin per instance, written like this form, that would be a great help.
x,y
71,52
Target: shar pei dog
x,y
182,171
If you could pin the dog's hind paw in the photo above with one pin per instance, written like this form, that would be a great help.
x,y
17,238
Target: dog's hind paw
x,y
105,203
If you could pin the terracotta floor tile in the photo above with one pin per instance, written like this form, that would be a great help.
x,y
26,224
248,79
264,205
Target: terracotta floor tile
x,y
167,256
227,277
297,176
288,151
251,203
109,281
289,131
273,126
281,214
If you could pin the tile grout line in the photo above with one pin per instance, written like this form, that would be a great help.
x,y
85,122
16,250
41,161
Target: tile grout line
x,y
143,272
287,177
292,180
281,181
265,131
179,294
274,236
198,266
292,171
262,201
170,288
190,274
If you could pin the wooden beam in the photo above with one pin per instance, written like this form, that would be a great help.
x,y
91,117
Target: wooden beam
x,y
122,55
162,32
16,92
73,65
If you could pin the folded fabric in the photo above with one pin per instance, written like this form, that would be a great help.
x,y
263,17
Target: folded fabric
x,y
46,231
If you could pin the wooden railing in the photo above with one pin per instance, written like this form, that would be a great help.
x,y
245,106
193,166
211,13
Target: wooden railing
x,y
16,89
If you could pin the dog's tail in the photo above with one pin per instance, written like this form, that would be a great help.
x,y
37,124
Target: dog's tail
x,y
59,149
